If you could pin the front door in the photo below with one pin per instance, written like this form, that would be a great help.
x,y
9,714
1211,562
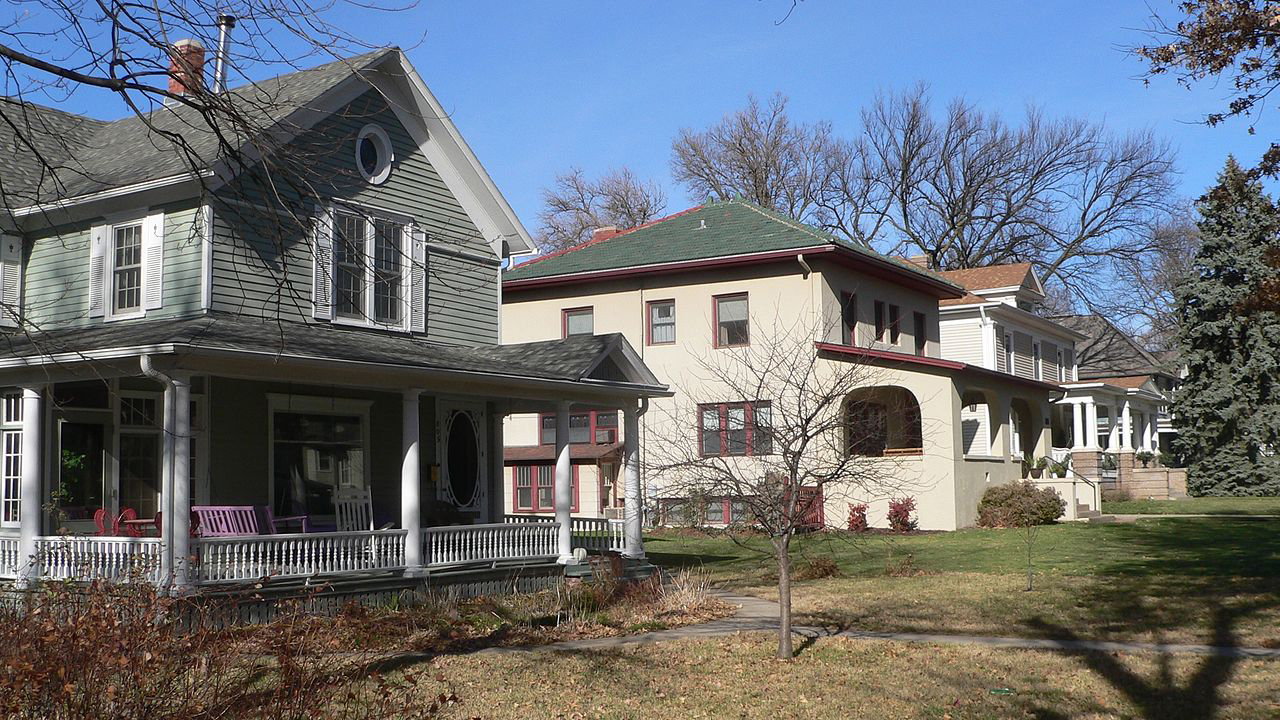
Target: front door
x,y
464,470
81,485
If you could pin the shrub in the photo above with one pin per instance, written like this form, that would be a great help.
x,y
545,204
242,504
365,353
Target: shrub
x,y
858,517
900,511
1116,495
816,568
1019,504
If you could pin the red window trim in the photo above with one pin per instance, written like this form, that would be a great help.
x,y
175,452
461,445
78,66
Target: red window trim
x,y
591,426
849,301
564,319
722,411
715,318
533,487
648,320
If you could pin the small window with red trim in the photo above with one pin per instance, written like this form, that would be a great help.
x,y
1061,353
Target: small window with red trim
x,y
732,320
661,322
598,427
535,488
578,321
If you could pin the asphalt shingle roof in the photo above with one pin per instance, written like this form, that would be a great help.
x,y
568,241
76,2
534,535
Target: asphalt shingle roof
x,y
991,276
92,155
715,230
1108,352
568,359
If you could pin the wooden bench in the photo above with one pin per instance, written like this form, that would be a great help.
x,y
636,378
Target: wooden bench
x,y
232,520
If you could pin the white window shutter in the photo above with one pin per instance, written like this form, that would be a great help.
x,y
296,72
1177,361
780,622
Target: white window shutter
x,y
98,271
10,280
153,261
418,283
322,266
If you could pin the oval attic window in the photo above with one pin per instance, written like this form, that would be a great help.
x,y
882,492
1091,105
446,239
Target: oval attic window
x,y
373,154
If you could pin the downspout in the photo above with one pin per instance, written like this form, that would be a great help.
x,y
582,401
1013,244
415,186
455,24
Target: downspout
x,y
167,472
644,433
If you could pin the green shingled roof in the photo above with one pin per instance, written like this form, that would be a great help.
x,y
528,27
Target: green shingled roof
x,y
715,230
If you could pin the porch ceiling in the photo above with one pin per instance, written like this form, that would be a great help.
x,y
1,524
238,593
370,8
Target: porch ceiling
x,y
243,347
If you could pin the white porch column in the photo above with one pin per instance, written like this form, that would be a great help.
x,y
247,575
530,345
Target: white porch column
x,y
180,506
631,481
1091,424
563,487
29,512
1077,426
411,483
1126,426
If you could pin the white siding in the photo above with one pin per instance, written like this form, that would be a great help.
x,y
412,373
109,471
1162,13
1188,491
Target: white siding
x,y
962,341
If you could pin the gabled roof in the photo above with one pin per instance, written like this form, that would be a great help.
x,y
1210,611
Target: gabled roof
x,y
93,155
1108,351
1125,381
990,277
716,232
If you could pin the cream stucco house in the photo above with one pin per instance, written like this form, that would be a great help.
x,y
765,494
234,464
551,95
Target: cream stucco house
x,y
723,275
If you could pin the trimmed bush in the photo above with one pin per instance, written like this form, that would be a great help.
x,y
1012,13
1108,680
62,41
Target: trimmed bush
x,y
1019,504
1116,495
900,511
858,517
816,568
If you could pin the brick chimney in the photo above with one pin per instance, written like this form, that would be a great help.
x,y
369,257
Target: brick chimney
x,y
602,233
919,260
186,67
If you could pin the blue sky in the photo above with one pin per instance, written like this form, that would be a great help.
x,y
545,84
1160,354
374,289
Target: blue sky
x,y
537,87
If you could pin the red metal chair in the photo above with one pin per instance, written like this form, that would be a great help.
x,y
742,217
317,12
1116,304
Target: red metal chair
x,y
100,519
129,529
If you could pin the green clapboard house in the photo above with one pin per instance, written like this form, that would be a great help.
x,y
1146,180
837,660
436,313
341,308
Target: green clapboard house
x,y
274,351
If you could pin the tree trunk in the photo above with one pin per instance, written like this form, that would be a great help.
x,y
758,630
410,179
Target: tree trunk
x,y
783,549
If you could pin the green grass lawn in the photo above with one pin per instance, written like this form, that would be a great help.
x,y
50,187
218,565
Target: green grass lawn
x,y
1197,505
1172,579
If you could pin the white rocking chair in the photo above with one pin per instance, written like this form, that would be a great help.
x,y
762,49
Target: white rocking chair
x,y
353,508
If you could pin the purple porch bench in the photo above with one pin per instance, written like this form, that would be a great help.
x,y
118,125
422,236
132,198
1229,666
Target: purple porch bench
x,y
230,520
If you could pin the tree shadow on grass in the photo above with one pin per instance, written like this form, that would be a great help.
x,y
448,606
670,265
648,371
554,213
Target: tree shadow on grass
x,y
1162,696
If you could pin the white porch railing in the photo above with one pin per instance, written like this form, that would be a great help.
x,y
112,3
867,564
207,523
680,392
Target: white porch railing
x,y
9,557
598,535
235,559
79,557
462,544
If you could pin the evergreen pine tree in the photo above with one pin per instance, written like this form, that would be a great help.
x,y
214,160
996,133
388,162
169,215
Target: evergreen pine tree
x,y
1228,408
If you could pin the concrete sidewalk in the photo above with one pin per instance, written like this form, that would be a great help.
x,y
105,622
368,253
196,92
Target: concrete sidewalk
x,y
755,615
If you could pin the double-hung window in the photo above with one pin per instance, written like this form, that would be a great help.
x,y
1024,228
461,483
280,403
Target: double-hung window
x,y
377,267
1037,361
535,488
1062,367
10,459
126,266
921,330
662,322
731,320
126,269
741,428
370,257
880,323
894,328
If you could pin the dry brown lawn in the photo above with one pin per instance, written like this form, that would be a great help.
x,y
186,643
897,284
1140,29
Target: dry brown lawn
x,y
736,677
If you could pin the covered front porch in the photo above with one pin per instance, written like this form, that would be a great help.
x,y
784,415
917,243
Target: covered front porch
x,y
113,466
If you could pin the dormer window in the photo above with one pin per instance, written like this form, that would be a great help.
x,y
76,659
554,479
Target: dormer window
x,y
373,154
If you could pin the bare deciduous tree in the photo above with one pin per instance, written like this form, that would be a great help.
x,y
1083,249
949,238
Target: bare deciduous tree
x,y
1145,303
803,430
964,187
575,205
